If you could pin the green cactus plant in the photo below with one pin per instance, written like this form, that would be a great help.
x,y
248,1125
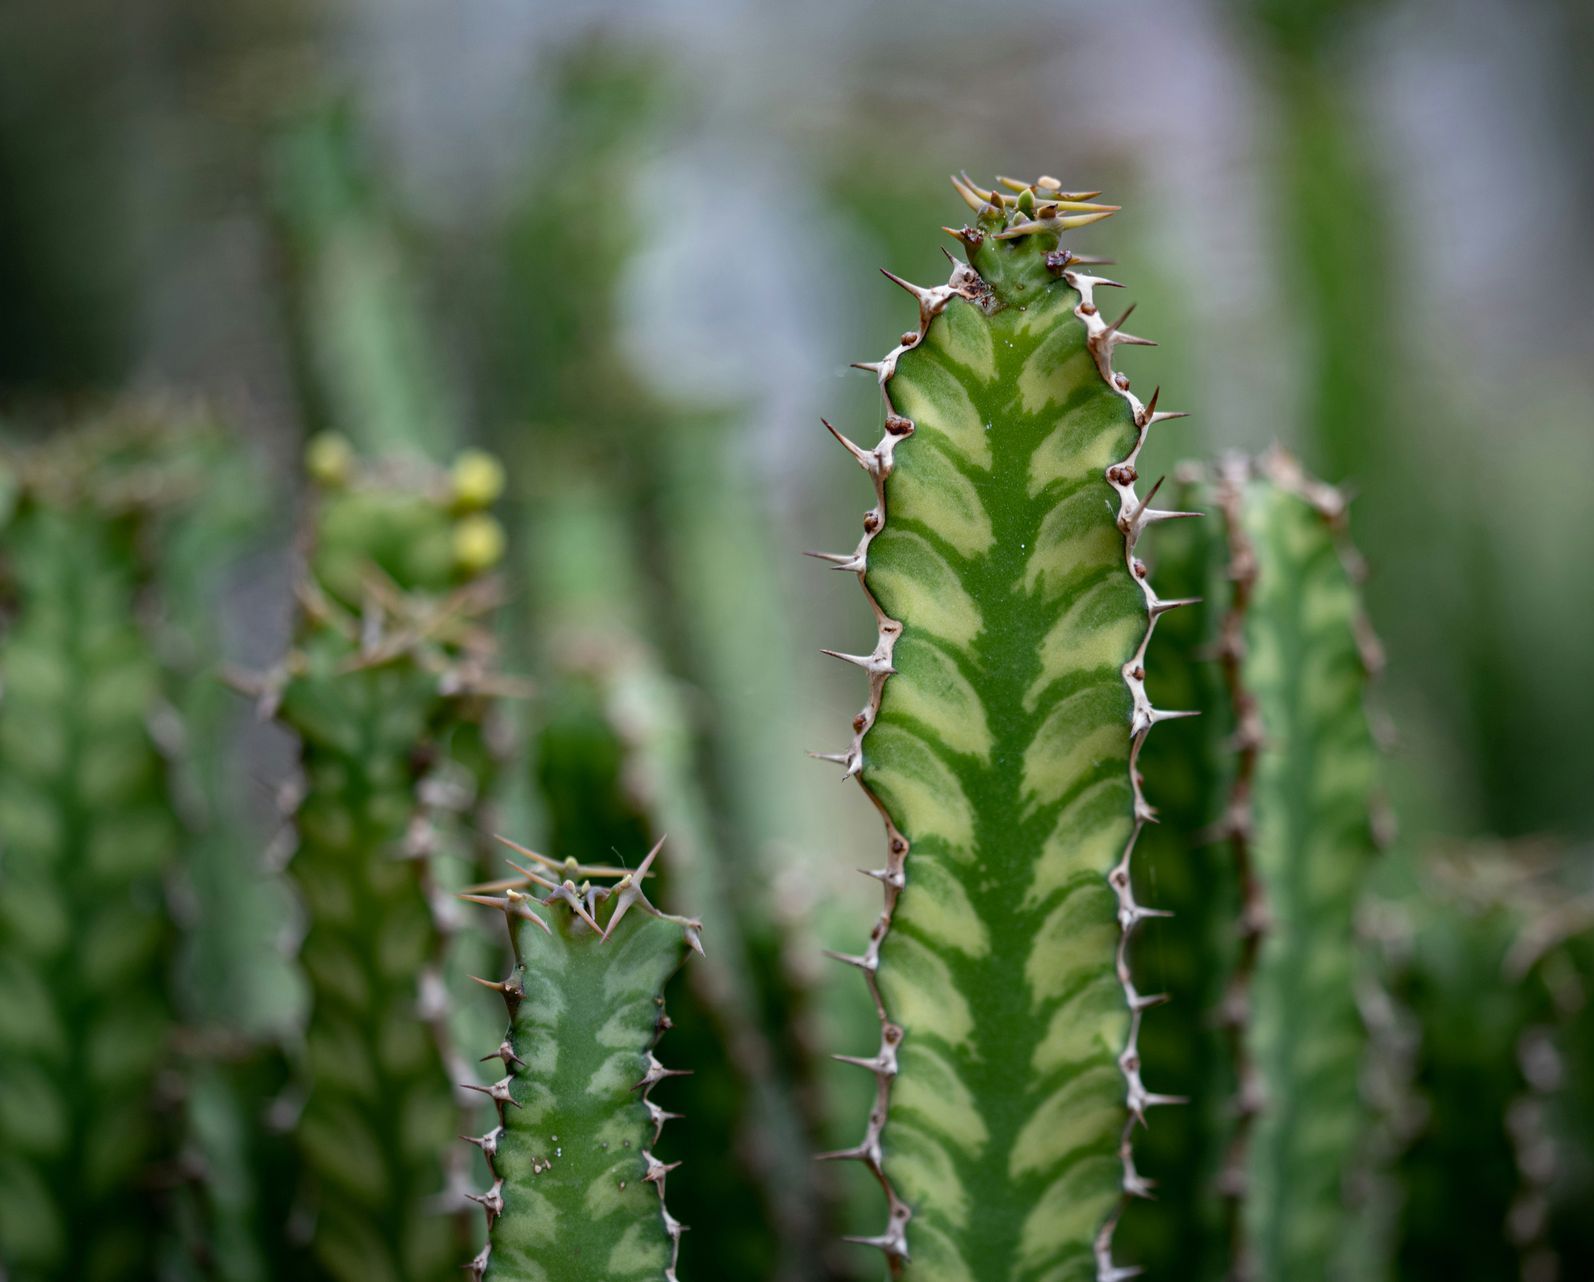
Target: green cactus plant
x,y
571,1155
1303,823
1265,948
1007,704
91,842
391,654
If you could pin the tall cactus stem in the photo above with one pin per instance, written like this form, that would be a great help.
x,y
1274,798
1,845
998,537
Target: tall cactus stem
x,y
1042,215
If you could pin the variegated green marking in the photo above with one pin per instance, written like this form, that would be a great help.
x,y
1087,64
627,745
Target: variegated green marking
x,y
577,1192
1312,843
1007,700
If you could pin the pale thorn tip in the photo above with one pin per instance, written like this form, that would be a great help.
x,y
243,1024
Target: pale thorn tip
x,y
920,294
971,198
867,459
850,959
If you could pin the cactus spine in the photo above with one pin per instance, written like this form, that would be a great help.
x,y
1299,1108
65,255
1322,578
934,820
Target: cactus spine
x,y
390,655
1006,708
571,1155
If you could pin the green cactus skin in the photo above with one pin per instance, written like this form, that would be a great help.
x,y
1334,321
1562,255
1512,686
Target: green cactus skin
x,y
90,838
571,1155
1007,705
390,653
1303,827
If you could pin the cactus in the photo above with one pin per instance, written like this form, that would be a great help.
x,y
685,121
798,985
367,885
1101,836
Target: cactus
x,y
90,843
571,1155
1296,807
1486,953
390,654
1303,825
1007,704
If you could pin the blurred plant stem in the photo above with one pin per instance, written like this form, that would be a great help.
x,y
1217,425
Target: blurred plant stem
x,y
369,364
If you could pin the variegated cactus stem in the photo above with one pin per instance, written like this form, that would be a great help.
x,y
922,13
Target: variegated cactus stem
x,y
392,656
577,1191
1007,705
1304,823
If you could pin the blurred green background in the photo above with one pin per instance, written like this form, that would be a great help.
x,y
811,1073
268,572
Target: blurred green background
x,y
1356,227
632,249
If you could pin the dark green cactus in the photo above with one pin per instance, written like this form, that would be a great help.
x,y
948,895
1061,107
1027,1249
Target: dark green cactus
x,y
90,842
390,654
577,1191
1187,1231
1487,951
1007,704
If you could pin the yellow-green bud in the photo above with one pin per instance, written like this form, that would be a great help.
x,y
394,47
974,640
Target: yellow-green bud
x,y
478,543
329,459
477,479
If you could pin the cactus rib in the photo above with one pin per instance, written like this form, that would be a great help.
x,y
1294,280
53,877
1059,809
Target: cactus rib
x,y
1019,277
586,1010
1311,829
1235,824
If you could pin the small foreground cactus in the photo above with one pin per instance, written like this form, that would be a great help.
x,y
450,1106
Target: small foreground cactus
x,y
1007,703
577,1191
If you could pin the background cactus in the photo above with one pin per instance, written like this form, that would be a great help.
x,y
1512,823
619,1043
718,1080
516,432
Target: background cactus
x,y
1486,958
586,1008
390,655
1007,699
1261,959
92,845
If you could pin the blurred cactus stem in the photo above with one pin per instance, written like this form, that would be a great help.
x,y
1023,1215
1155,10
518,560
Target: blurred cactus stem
x,y
88,1118
392,655
1007,706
